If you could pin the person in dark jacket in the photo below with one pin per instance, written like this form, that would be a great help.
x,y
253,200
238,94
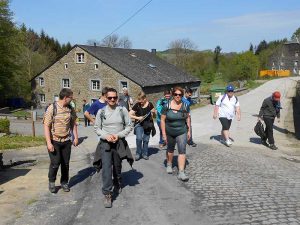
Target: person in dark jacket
x,y
269,110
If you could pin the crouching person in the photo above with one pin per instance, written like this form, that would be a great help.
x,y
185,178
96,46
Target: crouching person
x,y
59,122
112,125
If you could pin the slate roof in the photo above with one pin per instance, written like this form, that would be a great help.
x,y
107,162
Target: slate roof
x,y
141,66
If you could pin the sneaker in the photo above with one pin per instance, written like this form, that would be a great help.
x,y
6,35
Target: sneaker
x,y
137,157
65,187
107,201
145,157
169,169
182,176
193,144
273,147
52,188
228,143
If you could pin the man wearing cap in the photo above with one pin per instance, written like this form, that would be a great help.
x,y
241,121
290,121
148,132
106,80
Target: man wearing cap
x,y
226,107
268,111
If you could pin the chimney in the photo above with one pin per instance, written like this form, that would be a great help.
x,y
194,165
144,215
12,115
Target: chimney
x,y
153,51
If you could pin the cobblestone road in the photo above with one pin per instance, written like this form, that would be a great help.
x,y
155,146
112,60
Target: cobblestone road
x,y
244,186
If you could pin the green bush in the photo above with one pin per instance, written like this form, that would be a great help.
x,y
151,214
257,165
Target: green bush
x,y
4,126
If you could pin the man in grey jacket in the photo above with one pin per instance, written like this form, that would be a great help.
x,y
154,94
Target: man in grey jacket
x,y
269,110
112,125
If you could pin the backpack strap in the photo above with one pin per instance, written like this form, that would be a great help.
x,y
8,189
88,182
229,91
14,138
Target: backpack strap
x,y
224,96
102,115
54,113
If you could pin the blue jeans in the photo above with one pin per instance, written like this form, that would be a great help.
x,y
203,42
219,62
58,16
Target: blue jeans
x,y
142,141
161,141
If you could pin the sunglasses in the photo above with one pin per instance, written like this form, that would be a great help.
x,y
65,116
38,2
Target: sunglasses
x,y
229,91
114,97
176,94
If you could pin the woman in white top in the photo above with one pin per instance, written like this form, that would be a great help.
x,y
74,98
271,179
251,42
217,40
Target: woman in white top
x,y
226,107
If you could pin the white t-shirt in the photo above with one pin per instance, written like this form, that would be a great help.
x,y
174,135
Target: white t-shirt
x,y
227,107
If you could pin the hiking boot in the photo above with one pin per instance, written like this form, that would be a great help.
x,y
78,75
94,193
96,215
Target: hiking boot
x,y
145,157
273,147
169,169
65,187
182,176
52,188
264,142
107,201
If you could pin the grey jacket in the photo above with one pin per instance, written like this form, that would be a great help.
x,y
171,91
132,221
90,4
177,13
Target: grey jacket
x,y
270,109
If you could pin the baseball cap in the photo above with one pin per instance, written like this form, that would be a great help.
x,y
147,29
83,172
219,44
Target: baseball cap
x,y
230,88
276,95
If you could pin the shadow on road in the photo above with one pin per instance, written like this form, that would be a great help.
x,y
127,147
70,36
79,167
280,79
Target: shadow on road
x,y
10,174
131,178
255,140
152,151
81,176
282,130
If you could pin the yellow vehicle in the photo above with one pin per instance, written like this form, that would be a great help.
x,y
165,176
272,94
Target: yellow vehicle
x,y
274,73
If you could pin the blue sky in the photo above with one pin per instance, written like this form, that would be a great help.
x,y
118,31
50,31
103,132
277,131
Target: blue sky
x,y
232,24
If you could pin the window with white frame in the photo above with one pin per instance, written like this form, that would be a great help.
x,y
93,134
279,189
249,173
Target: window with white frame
x,y
296,54
195,92
42,98
65,83
122,85
96,66
66,66
80,57
95,85
41,81
296,63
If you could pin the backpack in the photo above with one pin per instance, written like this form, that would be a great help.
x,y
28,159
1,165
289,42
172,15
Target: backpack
x,y
224,96
102,115
259,130
54,113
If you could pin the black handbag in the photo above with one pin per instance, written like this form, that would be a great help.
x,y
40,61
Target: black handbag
x,y
259,130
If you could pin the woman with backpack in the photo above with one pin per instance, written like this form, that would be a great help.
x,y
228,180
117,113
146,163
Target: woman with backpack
x,y
142,112
175,125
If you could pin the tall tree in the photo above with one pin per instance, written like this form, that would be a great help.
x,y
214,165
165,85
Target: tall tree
x,y
217,53
251,48
296,35
261,46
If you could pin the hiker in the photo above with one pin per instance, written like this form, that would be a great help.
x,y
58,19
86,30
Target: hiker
x,y
268,111
226,107
99,104
142,112
175,126
125,99
85,107
112,125
159,106
59,122
187,99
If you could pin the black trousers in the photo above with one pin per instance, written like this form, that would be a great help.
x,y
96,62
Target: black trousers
x,y
269,129
60,157
86,121
111,165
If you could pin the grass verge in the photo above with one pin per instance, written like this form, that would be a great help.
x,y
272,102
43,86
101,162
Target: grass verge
x,y
15,142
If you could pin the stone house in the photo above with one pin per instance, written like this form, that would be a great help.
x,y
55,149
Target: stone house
x,y
87,69
287,58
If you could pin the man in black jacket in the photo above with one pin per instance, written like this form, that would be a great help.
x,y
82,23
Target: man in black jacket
x,y
269,110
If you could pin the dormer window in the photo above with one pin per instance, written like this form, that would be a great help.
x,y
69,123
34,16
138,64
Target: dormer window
x,y
151,66
42,81
80,57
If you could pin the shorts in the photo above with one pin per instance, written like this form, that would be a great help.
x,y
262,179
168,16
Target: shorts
x,y
181,141
226,123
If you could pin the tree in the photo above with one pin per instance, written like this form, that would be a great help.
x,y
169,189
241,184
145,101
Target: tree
x,y
217,53
114,41
181,48
9,47
251,48
124,42
296,35
261,46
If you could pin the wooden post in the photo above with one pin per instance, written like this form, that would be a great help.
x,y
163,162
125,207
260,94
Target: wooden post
x,y
33,126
